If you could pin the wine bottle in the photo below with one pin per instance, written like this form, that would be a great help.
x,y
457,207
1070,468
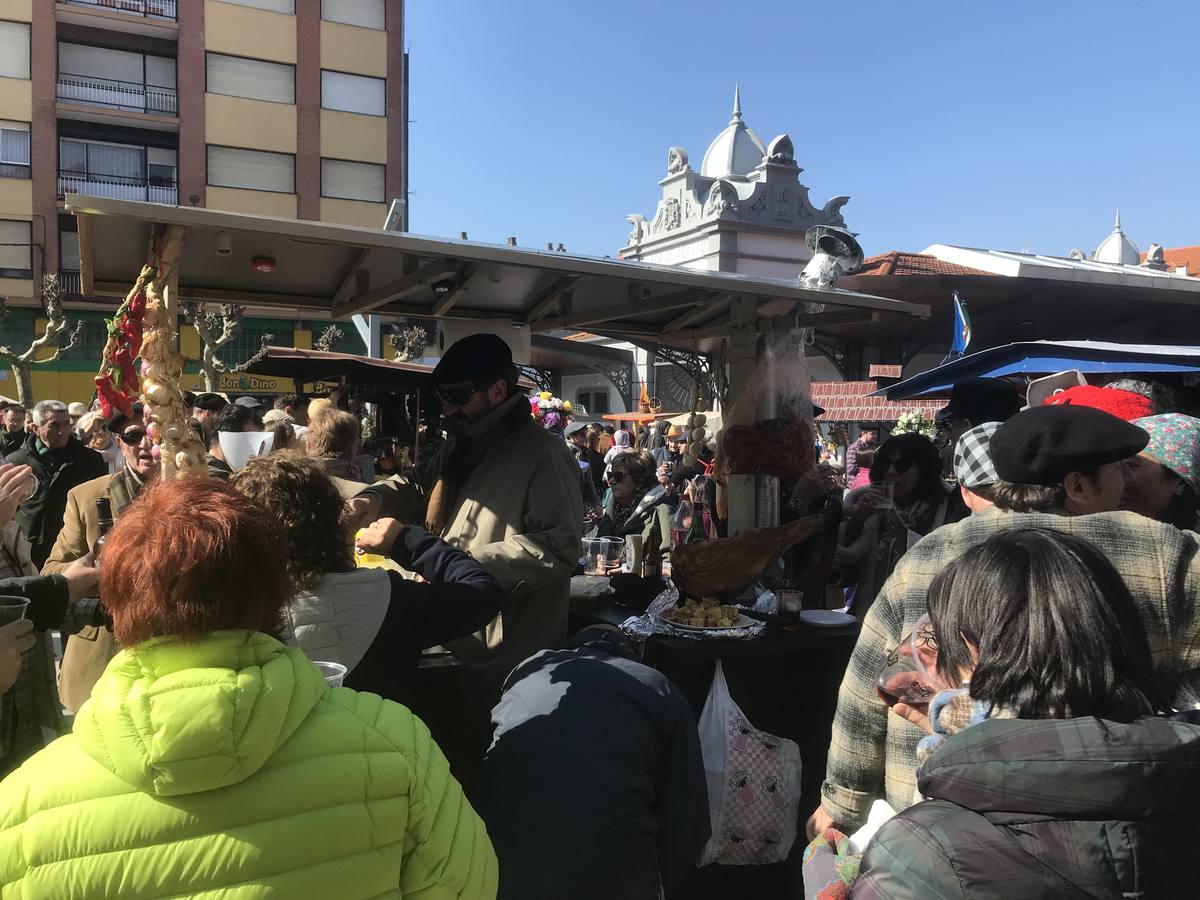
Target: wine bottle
x,y
104,511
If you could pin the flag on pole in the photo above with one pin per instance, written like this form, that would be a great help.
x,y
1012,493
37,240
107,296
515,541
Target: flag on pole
x,y
962,328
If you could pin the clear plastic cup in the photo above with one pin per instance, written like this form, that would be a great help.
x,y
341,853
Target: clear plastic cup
x,y
910,672
886,492
334,672
12,609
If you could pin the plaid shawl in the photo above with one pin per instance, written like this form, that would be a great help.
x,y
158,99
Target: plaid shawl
x,y
873,754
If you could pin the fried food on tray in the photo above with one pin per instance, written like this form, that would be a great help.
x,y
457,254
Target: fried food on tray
x,y
708,613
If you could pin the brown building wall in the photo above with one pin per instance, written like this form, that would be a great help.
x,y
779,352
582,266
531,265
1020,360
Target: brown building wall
x,y
190,77
43,139
308,109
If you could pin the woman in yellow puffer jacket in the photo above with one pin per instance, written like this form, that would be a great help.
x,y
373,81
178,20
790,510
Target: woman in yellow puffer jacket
x,y
213,760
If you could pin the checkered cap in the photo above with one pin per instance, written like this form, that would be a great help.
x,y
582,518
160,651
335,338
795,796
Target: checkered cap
x,y
972,457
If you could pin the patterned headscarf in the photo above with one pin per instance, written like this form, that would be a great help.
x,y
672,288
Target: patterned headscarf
x,y
1175,443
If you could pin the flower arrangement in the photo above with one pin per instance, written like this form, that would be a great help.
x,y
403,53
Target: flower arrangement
x,y
551,412
915,423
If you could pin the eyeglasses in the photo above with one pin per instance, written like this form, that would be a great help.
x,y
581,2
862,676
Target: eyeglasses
x,y
616,477
457,394
133,436
901,465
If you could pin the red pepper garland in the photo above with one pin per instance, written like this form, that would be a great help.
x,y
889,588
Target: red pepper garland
x,y
117,384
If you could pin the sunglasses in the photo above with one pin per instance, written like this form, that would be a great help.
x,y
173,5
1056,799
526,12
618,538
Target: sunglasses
x,y
901,465
616,477
457,395
133,436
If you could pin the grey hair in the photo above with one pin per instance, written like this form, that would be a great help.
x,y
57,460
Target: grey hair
x,y
44,409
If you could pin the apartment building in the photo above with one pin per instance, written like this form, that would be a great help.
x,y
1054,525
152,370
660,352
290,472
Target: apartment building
x,y
292,108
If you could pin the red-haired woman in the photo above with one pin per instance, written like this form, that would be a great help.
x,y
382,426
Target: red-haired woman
x,y
211,757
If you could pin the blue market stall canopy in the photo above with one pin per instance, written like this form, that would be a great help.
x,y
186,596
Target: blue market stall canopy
x,y
1036,358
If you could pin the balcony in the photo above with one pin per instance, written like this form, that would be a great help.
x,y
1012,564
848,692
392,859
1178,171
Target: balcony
x,y
129,96
71,282
118,188
147,9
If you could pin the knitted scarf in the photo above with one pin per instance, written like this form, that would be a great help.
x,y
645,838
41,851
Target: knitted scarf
x,y
463,453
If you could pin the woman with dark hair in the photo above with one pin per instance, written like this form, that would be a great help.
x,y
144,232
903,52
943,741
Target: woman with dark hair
x,y
1163,480
371,620
877,528
212,759
1054,771
637,503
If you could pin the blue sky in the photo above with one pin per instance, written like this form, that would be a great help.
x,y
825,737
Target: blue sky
x,y
1006,125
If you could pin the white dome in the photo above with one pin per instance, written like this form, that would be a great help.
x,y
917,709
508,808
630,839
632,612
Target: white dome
x,y
735,151
1117,248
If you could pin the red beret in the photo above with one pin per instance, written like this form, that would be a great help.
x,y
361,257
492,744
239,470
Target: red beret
x,y
1122,404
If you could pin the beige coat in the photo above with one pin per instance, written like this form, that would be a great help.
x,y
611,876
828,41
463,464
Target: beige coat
x,y
520,514
88,650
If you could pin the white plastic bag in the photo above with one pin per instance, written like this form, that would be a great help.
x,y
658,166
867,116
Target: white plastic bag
x,y
753,785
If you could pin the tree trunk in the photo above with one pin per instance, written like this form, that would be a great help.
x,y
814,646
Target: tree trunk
x,y
208,368
23,375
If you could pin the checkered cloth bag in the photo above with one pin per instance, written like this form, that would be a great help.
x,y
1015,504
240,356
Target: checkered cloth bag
x,y
972,456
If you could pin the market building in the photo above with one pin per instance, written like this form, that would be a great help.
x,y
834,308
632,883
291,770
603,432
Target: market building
x,y
272,107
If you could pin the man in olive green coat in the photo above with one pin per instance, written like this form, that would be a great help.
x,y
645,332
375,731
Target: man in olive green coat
x,y
507,492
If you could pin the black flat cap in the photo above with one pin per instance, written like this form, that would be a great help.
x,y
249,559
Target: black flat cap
x,y
248,402
1042,444
981,400
119,420
209,401
476,357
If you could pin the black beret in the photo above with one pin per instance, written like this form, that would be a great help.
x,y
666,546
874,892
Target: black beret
x,y
119,420
210,401
1041,445
474,358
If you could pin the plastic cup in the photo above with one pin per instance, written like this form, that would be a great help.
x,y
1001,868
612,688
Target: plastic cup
x,y
334,672
12,609
910,672
886,492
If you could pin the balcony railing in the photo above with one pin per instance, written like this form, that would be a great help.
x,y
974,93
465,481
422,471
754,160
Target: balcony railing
x,y
150,9
117,188
71,282
128,95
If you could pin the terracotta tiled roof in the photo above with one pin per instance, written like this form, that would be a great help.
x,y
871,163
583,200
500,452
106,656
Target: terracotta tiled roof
x,y
896,262
1175,257
879,370
847,401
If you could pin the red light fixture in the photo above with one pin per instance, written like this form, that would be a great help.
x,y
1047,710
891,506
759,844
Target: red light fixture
x,y
262,264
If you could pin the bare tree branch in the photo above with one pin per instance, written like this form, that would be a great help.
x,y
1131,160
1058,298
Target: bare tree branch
x,y
56,326
329,339
259,354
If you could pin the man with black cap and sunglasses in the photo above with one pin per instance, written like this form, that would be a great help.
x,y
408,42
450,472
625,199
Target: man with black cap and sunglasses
x,y
89,650
1060,468
507,492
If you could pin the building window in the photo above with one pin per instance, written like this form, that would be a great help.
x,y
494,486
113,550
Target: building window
x,y
14,50
364,13
352,180
92,339
353,93
15,252
595,403
255,170
249,341
236,76
279,6
14,149
101,76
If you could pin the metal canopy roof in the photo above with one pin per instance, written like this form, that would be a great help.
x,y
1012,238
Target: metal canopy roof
x,y
342,270
310,366
1035,358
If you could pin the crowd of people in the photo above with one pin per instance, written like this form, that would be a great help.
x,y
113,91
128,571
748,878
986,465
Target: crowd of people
x,y
1051,549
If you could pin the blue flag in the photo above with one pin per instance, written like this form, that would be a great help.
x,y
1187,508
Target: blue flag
x,y
962,328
